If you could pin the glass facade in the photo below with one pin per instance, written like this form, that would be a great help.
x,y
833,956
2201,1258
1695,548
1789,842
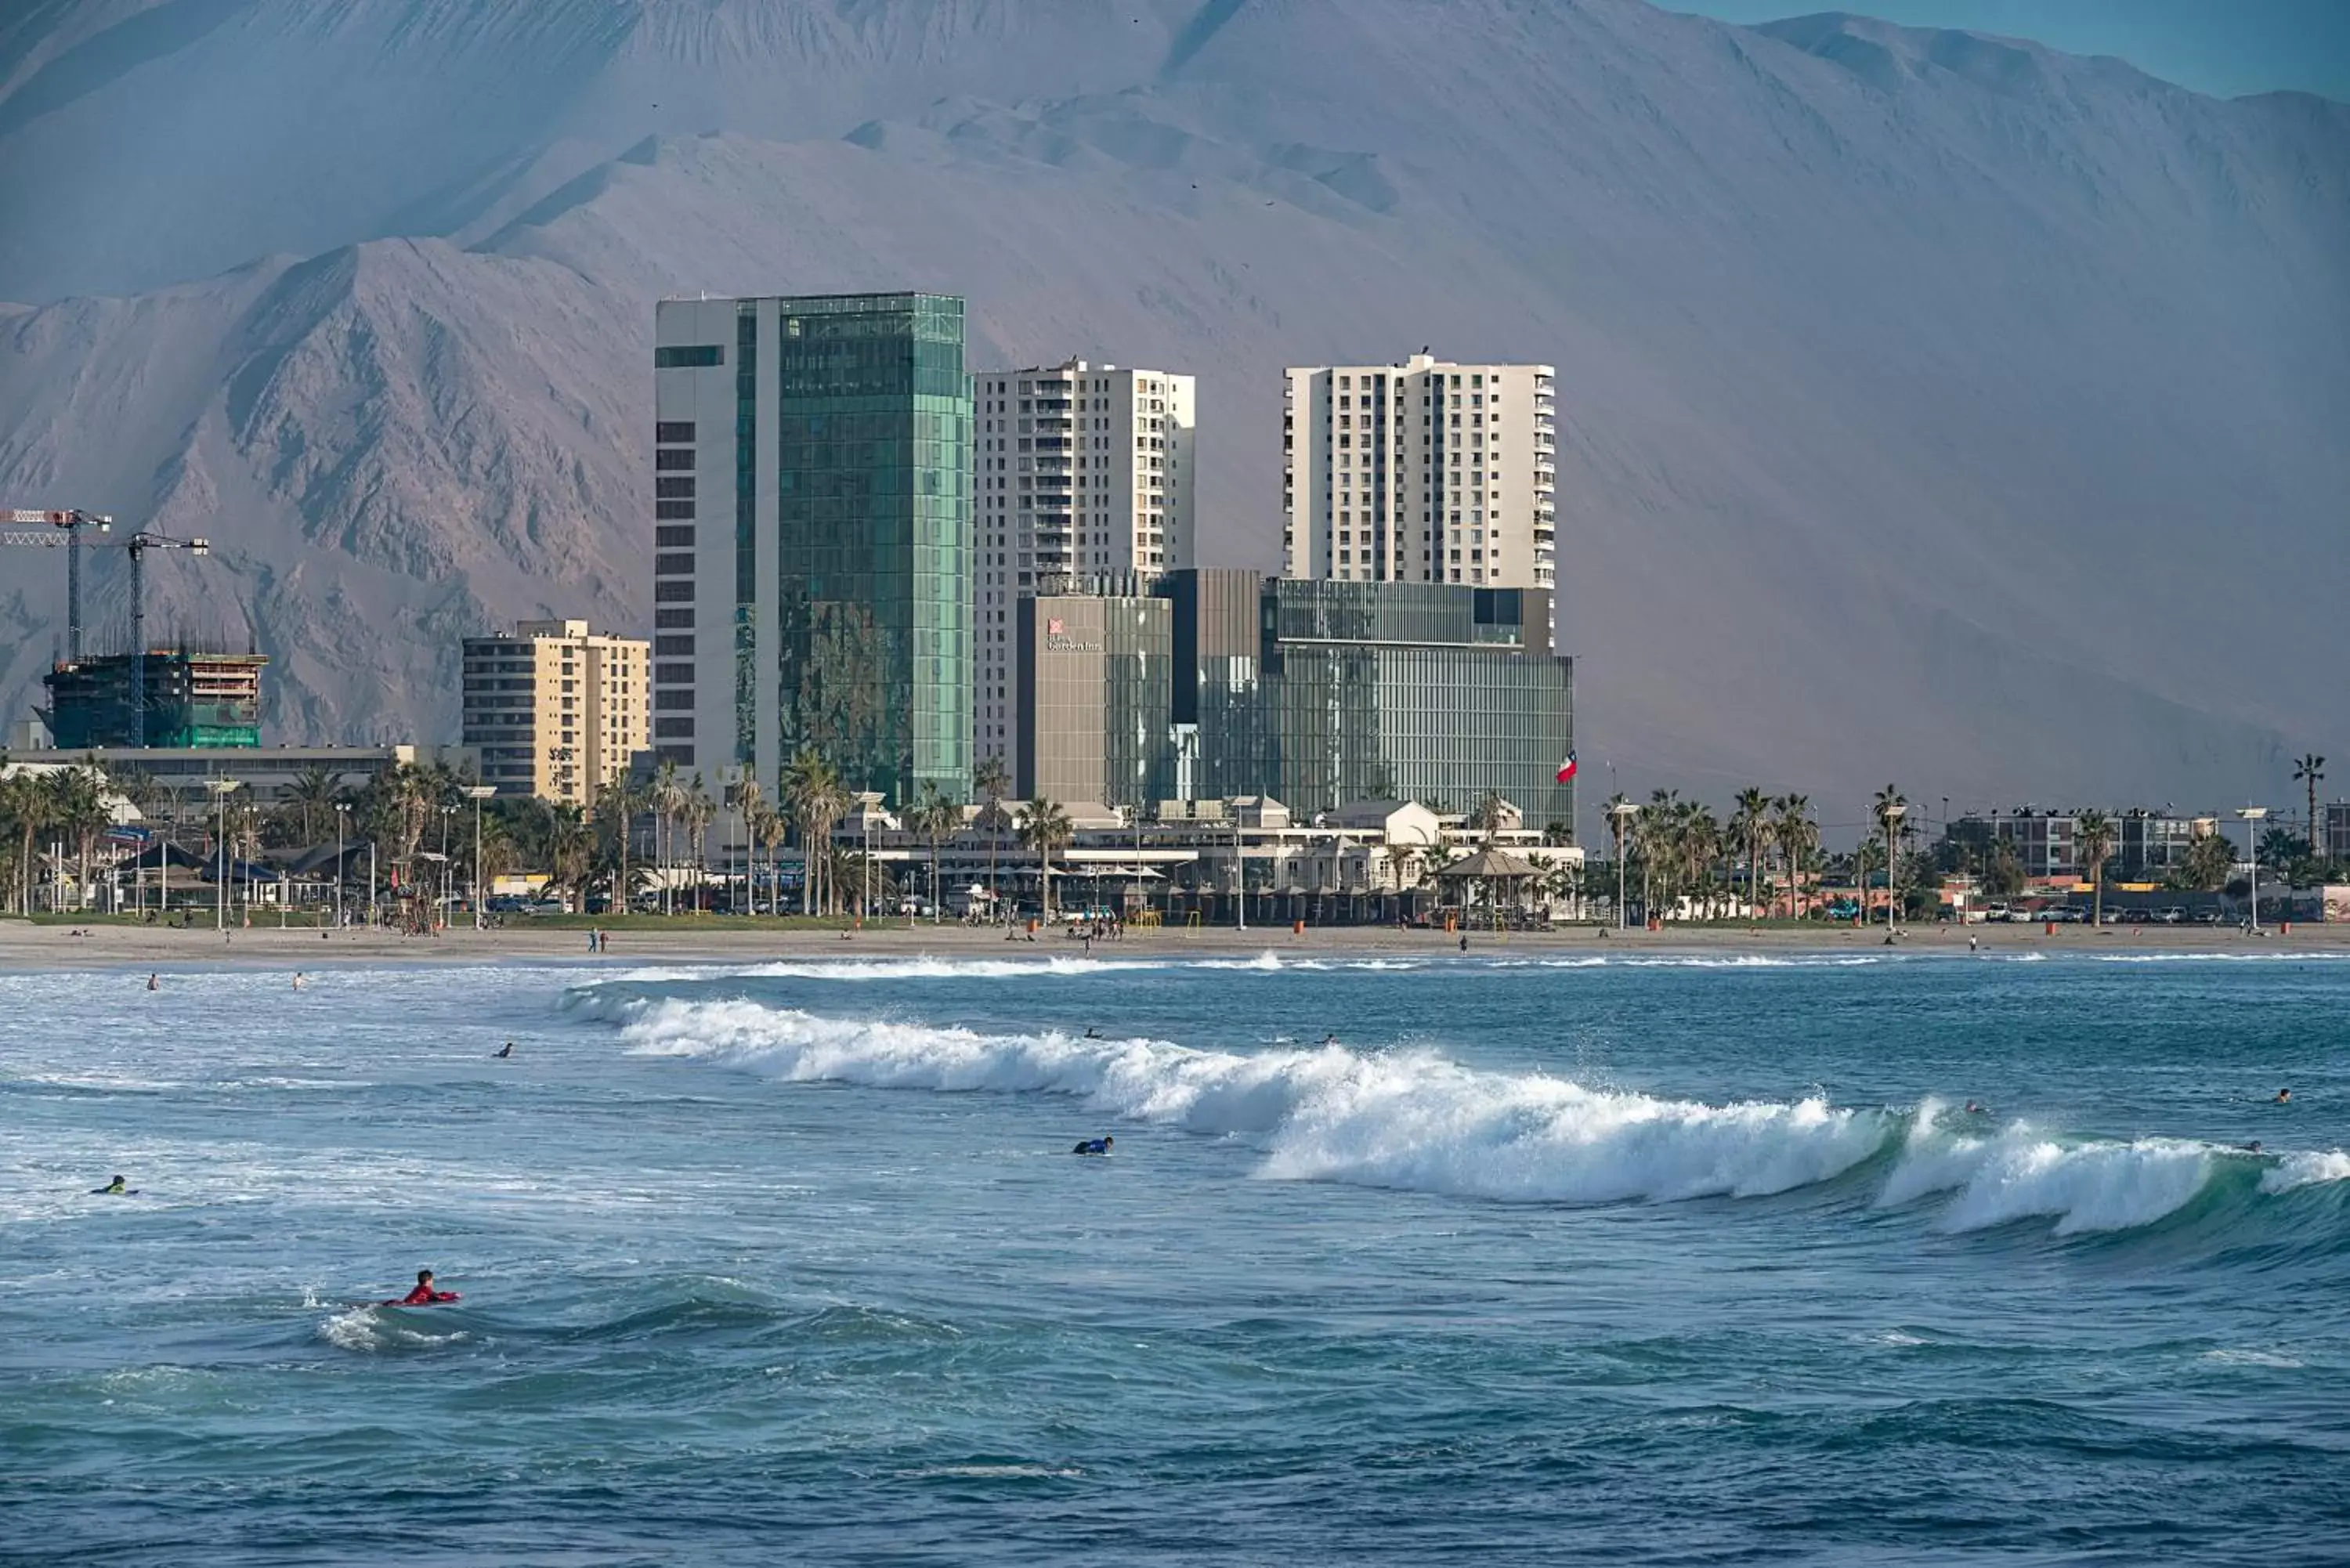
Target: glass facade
x,y
873,539
1320,693
1416,691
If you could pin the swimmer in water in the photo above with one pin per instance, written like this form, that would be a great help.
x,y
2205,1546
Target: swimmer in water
x,y
1329,1040
1092,1032
1094,1146
1977,1108
154,984
503,1051
2283,1096
300,980
114,1188
2251,1147
424,1294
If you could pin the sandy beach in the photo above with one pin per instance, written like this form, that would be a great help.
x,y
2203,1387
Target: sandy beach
x,y
26,946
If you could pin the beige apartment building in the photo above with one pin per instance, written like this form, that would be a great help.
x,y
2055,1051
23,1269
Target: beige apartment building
x,y
1084,471
554,710
1420,471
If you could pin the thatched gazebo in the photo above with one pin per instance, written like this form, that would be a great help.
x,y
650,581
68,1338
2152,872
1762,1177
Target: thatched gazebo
x,y
1498,872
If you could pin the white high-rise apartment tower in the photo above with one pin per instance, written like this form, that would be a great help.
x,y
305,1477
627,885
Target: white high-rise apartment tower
x,y
1421,471
1085,471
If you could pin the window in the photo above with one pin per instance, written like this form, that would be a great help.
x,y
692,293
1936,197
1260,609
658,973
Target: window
x,y
673,728
673,489
674,674
673,538
673,432
675,457
689,357
673,565
667,510
681,698
674,590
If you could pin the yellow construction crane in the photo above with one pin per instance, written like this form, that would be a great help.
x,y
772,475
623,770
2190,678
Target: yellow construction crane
x,y
67,524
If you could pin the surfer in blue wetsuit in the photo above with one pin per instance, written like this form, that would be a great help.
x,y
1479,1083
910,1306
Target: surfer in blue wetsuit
x,y
1094,1146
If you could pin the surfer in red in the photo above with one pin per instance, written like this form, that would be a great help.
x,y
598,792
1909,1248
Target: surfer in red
x,y
423,1294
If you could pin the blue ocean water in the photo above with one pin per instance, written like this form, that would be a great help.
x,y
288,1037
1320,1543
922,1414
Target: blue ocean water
x,y
1643,1261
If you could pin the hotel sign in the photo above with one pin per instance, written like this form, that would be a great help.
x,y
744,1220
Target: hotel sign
x,y
1058,641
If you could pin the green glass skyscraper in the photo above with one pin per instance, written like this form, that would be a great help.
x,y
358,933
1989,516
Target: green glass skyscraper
x,y
812,539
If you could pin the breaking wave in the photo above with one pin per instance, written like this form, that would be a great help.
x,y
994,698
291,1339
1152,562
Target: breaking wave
x,y
1417,1121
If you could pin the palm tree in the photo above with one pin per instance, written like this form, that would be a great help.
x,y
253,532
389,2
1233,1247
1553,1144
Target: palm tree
x,y
77,805
993,784
24,806
1485,816
1750,822
314,790
695,812
2093,840
617,807
1045,827
769,832
1889,810
570,847
2310,769
933,817
817,801
663,799
1798,836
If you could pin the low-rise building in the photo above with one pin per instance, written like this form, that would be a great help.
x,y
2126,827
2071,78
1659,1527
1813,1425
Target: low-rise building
x,y
556,710
2047,843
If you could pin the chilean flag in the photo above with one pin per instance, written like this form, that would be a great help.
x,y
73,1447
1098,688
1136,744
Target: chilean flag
x,y
1567,768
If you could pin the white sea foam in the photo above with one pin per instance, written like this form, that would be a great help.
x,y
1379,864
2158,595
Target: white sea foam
x,y
373,1331
2082,1186
2306,1171
1409,1120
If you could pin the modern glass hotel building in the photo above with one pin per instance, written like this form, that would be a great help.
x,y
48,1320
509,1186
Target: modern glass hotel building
x,y
813,542
1318,693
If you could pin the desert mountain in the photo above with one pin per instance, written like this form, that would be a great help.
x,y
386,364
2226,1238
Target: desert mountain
x,y
1936,408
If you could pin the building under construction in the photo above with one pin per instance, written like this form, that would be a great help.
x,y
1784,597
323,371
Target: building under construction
x,y
171,697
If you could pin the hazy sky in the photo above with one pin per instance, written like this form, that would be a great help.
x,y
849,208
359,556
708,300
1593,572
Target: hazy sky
x,y
2221,47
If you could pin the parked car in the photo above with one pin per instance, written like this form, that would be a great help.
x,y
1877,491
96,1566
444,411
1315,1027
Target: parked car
x,y
2207,917
2173,915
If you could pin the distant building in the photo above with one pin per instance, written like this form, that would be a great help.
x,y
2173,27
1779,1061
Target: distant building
x,y
812,539
161,698
1314,694
2336,815
1095,680
1084,469
2046,843
554,710
1420,471
266,775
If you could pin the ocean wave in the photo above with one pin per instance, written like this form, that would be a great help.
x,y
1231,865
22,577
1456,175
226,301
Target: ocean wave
x,y
1406,1119
1996,1176
2306,1171
1415,1120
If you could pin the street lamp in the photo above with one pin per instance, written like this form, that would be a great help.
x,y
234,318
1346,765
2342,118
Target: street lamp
x,y
1240,871
477,794
1623,811
222,789
2251,815
442,912
342,820
1893,815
